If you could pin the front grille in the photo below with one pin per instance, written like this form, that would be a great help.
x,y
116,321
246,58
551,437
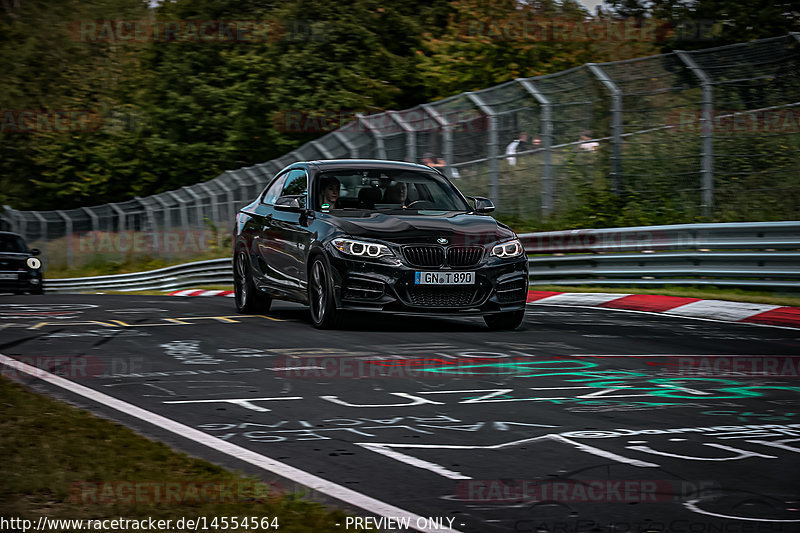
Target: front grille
x,y
512,291
424,256
441,296
434,256
464,256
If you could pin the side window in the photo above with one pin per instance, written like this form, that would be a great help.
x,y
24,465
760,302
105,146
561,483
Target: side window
x,y
296,184
273,191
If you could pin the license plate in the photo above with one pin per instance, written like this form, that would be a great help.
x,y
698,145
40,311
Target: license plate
x,y
444,278
9,276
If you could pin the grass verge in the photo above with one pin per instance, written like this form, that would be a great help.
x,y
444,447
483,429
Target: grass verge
x,y
63,462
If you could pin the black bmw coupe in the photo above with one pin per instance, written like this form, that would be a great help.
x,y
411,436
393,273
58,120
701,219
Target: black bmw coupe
x,y
386,236
20,269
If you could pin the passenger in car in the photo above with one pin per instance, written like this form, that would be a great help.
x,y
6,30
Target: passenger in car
x,y
329,192
397,193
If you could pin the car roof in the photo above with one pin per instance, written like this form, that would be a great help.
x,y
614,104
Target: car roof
x,y
330,164
10,233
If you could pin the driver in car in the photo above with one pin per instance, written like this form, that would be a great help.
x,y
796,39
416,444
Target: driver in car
x,y
396,193
329,192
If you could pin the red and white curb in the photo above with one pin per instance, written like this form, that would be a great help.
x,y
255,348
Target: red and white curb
x,y
772,315
196,292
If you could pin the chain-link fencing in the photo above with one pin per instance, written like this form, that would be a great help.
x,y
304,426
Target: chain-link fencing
x,y
710,134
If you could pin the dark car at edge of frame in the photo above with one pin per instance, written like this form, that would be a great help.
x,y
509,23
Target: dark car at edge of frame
x,y
386,236
20,269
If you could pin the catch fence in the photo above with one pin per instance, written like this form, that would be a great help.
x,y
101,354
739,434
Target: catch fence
x,y
711,134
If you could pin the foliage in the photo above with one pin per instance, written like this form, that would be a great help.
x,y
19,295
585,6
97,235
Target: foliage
x,y
170,114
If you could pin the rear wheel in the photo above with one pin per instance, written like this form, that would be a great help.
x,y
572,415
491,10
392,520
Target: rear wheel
x,y
248,299
321,300
505,321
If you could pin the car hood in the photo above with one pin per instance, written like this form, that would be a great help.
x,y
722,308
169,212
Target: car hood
x,y
13,259
427,227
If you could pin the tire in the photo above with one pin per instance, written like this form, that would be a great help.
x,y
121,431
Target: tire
x,y
505,321
321,300
249,300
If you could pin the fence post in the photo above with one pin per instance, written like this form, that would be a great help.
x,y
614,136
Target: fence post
x,y
321,149
197,204
182,207
148,210
707,133
212,196
616,124
68,234
342,138
493,149
121,215
447,137
243,186
43,229
93,217
230,209
11,218
381,148
547,145
411,136
167,214
255,181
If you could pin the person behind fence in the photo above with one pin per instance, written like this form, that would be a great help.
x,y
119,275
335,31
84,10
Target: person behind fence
x,y
433,161
329,192
517,145
440,164
587,144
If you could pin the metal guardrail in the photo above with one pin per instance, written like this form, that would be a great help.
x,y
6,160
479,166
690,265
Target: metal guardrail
x,y
755,254
747,254
211,272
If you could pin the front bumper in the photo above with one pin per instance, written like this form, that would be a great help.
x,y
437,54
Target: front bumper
x,y
500,286
18,281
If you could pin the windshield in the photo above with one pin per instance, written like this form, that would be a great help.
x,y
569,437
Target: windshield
x,y
12,244
386,190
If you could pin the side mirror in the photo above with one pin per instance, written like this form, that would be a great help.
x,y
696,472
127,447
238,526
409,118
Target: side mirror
x,y
293,202
482,205
35,251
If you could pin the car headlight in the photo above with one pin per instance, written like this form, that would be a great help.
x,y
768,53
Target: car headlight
x,y
362,249
34,263
508,249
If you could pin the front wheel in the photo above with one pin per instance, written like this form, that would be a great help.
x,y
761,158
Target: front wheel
x,y
321,300
505,321
248,299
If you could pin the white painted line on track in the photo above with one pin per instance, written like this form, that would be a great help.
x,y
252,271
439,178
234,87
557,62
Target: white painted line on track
x,y
302,477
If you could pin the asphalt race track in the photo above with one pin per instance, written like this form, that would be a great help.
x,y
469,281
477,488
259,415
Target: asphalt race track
x,y
585,420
